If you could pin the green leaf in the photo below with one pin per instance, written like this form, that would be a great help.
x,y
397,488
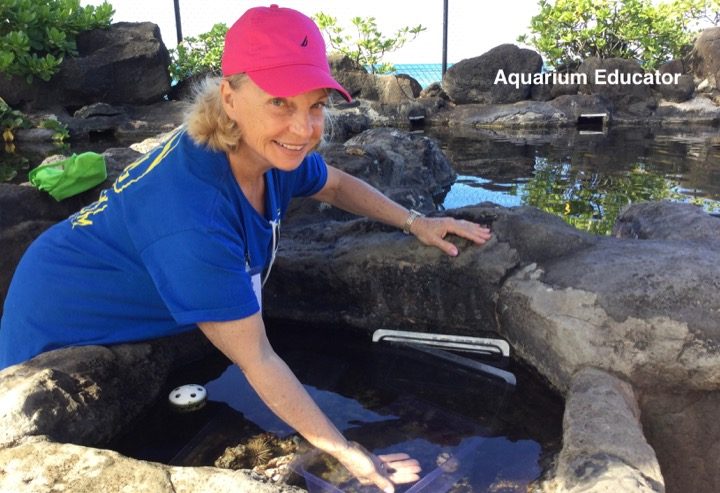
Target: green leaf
x,y
649,31
369,45
41,33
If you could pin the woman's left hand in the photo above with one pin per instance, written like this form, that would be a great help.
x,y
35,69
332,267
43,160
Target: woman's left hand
x,y
432,232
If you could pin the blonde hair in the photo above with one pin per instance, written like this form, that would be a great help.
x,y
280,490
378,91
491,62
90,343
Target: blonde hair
x,y
208,124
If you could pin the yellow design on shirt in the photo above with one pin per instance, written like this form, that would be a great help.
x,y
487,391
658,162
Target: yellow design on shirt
x,y
83,217
125,180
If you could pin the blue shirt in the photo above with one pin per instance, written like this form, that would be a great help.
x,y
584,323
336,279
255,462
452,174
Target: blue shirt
x,y
169,245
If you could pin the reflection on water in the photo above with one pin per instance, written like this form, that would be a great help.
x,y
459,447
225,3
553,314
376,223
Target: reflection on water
x,y
12,164
585,178
388,398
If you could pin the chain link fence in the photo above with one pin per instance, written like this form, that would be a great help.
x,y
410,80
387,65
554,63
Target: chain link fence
x,y
424,73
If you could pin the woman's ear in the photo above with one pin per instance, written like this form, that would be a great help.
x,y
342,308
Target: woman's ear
x,y
227,96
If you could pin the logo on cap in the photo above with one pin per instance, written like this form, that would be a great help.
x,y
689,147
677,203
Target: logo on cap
x,y
305,42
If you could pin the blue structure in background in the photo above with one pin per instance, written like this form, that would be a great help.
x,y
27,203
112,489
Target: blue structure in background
x,y
424,73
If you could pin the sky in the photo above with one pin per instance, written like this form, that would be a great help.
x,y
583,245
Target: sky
x,y
474,26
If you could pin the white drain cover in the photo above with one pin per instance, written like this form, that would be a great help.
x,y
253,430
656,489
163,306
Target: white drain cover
x,y
188,397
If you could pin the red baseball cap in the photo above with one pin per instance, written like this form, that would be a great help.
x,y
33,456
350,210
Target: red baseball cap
x,y
281,50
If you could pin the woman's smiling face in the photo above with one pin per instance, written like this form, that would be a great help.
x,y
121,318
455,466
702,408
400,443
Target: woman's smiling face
x,y
276,131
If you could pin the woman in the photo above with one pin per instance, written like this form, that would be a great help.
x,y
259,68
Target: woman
x,y
185,234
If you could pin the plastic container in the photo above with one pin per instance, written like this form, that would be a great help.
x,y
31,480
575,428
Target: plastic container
x,y
316,485
439,480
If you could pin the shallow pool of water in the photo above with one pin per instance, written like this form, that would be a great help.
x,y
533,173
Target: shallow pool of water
x,y
584,177
389,398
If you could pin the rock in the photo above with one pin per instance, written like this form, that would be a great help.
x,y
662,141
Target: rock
x,y
14,240
347,120
683,429
541,92
538,237
151,143
124,64
375,277
524,114
622,96
265,453
116,159
685,87
342,63
34,135
20,203
354,78
395,89
434,90
667,221
569,89
554,84
698,110
145,121
185,90
575,106
473,80
704,59
417,161
563,111
616,306
410,114
36,465
97,118
391,89
360,84
123,123
87,395
98,109
409,168
603,444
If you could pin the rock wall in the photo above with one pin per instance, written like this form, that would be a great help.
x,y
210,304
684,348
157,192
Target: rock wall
x,y
603,444
127,63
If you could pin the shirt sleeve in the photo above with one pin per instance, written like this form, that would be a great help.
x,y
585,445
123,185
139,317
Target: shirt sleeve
x,y
310,177
201,276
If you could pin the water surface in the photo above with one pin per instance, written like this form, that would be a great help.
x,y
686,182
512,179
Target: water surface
x,y
585,177
389,398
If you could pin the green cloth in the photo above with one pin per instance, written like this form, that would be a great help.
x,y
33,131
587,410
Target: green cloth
x,y
71,176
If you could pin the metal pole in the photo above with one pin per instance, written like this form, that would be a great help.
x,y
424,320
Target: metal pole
x,y
178,22
445,36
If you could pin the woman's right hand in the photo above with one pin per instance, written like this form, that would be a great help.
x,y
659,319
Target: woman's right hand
x,y
383,471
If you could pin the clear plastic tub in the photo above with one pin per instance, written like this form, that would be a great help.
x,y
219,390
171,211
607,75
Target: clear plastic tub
x,y
439,480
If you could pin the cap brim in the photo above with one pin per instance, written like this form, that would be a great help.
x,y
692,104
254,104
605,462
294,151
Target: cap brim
x,y
291,80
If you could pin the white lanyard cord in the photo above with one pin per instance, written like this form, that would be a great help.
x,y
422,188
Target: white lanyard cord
x,y
275,225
